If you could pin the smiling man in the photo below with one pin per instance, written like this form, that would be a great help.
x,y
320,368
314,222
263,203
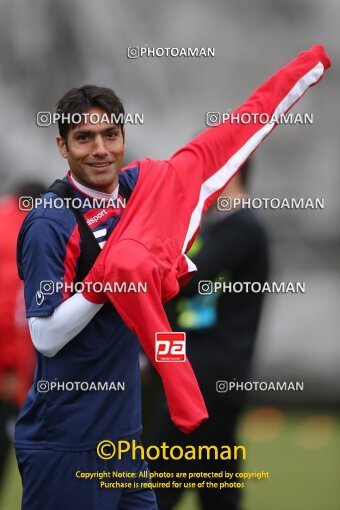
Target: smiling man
x,y
77,341
95,151
82,337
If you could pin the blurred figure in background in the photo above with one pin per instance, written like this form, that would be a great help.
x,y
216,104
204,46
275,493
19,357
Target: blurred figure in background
x,y
221,331
16,351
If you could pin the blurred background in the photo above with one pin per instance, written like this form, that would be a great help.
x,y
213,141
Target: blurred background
x,y
48,47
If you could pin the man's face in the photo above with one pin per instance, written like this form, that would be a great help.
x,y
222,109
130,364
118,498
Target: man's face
x,y
95,152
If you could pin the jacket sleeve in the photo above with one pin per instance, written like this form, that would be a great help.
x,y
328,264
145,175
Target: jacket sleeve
x,y
206,164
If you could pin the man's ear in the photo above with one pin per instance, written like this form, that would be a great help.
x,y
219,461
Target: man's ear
x,y
62,146
124,138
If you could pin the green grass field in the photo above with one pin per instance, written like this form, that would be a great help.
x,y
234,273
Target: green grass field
x,y
300,450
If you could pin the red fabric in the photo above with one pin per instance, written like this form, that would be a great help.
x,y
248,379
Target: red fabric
x,y
163,216
16,350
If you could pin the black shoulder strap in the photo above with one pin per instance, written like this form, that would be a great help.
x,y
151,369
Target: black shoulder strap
x,y
90,248
124,190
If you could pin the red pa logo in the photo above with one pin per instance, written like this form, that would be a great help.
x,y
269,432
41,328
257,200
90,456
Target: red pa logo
x,y
170,346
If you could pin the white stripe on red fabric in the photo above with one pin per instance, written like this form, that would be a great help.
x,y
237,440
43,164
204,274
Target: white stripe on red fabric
x,y
222,176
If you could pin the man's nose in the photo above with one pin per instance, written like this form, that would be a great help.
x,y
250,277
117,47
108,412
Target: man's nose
x,y
99,149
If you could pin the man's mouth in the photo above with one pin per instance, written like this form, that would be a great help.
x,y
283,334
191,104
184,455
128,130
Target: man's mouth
x,y
103,164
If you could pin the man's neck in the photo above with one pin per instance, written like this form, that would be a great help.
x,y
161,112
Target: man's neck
x,y
92,192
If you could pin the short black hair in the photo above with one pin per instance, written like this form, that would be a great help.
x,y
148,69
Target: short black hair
x,y
80,100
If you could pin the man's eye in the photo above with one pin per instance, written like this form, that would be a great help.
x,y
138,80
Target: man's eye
x,y
82,138
112,134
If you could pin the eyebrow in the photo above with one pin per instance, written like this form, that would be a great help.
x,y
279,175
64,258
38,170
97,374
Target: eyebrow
x,y
89,132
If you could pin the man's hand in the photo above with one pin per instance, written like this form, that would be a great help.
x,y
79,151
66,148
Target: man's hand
x,y
94,282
